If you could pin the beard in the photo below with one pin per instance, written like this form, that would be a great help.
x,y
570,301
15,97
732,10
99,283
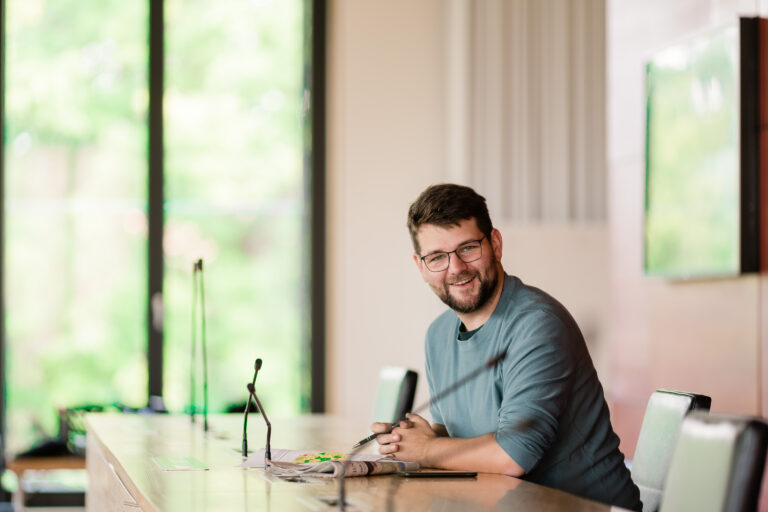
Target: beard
x,y
488,281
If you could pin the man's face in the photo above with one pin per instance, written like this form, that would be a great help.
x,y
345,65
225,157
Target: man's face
x,y
463,287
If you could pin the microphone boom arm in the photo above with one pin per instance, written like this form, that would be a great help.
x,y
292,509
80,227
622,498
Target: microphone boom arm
x,y
495,360
267,451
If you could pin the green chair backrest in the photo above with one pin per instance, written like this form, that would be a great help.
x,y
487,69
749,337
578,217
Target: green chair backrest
x,y
665,412
717,464
397,388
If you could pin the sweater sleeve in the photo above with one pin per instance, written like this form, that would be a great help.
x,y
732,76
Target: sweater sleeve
x,y
536,375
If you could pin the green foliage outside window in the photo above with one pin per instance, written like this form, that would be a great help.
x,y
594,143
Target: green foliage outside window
x,y
692,195
76,202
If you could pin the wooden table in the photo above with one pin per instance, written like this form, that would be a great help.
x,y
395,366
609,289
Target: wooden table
x,y
124,476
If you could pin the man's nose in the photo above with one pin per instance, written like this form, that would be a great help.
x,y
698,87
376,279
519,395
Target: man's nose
x,y
456,265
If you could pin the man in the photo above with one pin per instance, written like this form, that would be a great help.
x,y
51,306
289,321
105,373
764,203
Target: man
x,y
540,414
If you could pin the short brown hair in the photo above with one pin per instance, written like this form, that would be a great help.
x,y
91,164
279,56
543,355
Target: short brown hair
x,y
445,205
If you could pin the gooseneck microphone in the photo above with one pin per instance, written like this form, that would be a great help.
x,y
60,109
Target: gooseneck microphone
x,y
267,450
256,368
204,346
490,364
198,304
193,349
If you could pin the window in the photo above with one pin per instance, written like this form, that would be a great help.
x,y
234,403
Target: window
x,y
234,195
76,203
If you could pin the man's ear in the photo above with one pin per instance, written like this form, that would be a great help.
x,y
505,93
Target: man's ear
x,y
417,261
419,264
496,243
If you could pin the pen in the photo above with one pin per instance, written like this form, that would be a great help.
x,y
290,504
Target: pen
x,y
374,436
366,440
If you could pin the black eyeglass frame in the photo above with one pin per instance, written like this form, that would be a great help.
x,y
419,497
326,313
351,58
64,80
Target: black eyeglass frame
x,y
455,251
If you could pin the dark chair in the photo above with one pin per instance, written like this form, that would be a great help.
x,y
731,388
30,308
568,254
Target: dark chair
x,y
665,412
717,465
397,387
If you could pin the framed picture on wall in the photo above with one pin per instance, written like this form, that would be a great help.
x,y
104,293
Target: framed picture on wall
x,y
703,154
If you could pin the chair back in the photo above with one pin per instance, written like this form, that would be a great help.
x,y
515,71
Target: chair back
x,y
663,416
397,388
717,465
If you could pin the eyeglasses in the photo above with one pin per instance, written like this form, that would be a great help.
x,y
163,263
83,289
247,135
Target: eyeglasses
x,y
468,252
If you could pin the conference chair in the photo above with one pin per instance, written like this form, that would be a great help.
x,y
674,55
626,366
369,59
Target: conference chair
x,y
717,465
663,416
397,388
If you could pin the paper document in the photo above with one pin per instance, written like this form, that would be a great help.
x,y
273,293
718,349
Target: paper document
x,y
293,463
302,457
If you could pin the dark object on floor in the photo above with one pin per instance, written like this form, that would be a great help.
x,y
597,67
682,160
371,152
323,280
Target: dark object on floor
x,y
53,487
52,447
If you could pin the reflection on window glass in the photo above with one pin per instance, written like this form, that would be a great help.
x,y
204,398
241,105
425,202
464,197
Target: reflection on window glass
x,y
75,209
234,197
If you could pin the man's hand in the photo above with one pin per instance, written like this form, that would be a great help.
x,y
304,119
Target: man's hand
x,y
415,441
378,427
408,441
386,436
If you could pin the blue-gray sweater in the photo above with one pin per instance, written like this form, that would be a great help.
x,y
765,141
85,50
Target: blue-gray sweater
x,y
544,401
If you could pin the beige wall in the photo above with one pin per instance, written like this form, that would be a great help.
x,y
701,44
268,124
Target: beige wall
x,y
386,142
702,336
384,145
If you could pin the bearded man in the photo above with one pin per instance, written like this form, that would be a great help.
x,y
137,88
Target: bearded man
x,y
540,414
